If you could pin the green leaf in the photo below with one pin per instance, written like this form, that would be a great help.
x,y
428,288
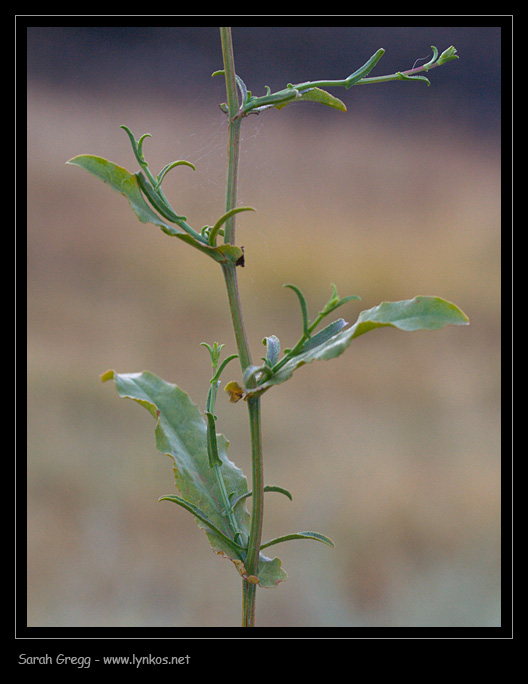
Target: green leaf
x,y
273,349
242,87
365,70
304,307
420,313
300,535
267,488
120,180
317,95
160,204
404,77
432,60
214,230
168,167
181,433
212,448
324,335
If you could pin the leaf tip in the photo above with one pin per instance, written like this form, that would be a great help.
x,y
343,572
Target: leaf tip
x,y
108,375
79,159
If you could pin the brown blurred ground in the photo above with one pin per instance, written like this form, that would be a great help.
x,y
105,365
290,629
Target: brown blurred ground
x,y
392,449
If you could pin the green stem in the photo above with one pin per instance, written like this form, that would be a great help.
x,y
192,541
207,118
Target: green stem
x,y
398,75
230,277
255,533
237,319
232,175
233,151
248,604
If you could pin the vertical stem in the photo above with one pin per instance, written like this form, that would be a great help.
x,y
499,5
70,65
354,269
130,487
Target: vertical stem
x,y
248,604
230,276
229,67
233,153
237,319
257,474
234,131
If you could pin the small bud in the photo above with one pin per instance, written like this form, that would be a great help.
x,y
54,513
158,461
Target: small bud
x,y
447,55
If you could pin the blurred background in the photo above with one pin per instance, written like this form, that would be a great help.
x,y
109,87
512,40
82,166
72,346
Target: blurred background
x,y
393,449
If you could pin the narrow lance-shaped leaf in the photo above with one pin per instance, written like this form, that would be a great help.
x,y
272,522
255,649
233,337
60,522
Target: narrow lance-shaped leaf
x,y
304,308
317,536
325,334
267,488
168,167
216,228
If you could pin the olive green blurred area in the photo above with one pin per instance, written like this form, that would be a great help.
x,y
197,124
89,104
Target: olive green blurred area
x,y
392,450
